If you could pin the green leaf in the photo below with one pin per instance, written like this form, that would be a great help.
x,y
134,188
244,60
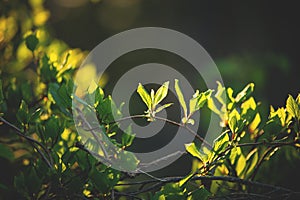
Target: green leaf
x,y
221,94
212,106
232,122
53,128
251,159
180,97
5,152
241,164
163,107
193,150
292,107
161,93
127,137
198,101
48,72
298,99
144,95
31,42
185,179
186,120
201,193
221,142
23,113
244,94
33,181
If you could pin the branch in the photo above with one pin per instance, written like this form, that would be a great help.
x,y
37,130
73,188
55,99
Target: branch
x,y
166,180
32,141
93,132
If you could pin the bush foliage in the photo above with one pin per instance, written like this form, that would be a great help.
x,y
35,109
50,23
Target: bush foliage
x,y
42,156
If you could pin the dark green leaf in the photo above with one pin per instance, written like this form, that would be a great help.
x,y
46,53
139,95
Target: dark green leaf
x,y
244,94
31,42
5,152
23,113
201,193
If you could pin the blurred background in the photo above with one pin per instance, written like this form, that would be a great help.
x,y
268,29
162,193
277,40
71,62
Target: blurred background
x,y
250,42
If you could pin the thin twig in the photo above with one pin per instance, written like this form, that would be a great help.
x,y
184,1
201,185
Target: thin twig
x,y
166,180
32,141
93,133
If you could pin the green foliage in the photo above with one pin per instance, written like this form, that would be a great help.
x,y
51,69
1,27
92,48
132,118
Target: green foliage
x,y
43,157
154,99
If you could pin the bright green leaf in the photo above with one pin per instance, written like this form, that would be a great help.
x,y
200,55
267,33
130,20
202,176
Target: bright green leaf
x,y
244,94
221,142
180,97
292,107
220,94
144,95
251,159
163,107
185,179
161,93
212,106
241,164
233,119
199,100
193,150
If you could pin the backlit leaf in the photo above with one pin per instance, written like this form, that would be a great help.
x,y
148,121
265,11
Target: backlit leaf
x,y
193,150
180,97
244,94
163,107
292,107
144,95
161,93
221,142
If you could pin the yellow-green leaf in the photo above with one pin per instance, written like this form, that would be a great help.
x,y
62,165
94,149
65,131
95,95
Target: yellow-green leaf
x,y
180,97
220,95
163,107
161,93
144,95
193,150
220,143
292,107
199,100
245,93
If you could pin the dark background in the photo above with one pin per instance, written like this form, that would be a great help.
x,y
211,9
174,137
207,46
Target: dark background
x,y
249,41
